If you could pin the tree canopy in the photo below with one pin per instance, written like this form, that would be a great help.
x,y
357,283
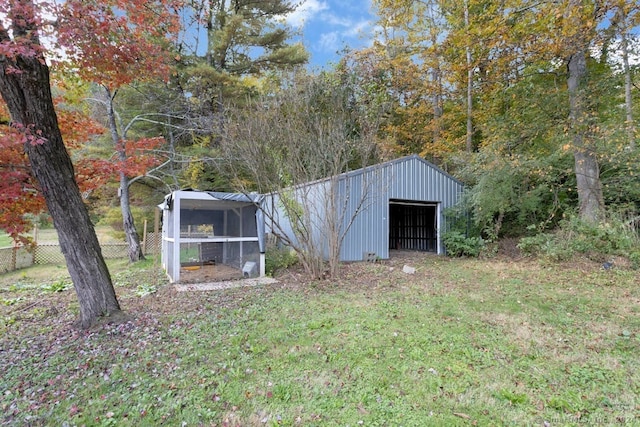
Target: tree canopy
x,y
537,83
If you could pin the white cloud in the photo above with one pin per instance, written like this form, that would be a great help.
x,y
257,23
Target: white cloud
x,y
347,30
331,25
357,29
333,19
305,11
615,55
329,42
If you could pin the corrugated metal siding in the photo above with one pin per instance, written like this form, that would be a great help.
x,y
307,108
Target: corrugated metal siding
x,y
313,197
369,190
409,178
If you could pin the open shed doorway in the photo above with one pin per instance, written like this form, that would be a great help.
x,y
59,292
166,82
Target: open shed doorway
x,y
413,226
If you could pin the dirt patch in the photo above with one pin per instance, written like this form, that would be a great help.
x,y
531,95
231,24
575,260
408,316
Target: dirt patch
x,y
508,247
209,273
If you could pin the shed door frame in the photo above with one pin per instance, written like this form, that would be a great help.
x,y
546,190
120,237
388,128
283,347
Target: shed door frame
x,y
418,234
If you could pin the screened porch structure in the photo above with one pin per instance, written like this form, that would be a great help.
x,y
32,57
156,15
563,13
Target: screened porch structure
x,y
211,236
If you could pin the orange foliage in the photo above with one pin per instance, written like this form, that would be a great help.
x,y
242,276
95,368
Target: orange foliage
x,y
139,156
110,42
77,128
19,192
113,42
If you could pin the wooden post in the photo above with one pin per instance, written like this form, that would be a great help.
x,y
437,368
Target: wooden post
x,y
35,244
144,238
157,241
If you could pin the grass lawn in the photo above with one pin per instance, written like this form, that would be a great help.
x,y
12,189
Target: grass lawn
x,y
49,235
5,240
460,342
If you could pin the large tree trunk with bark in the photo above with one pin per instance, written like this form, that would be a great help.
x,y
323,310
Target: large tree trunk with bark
x,y
590,197
25,87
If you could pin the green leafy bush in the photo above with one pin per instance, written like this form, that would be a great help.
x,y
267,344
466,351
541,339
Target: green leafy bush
x,y
505,194
574,236
457,244
113,218
634,259
278,259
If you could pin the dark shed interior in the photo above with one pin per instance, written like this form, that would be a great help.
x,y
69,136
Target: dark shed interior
x,y
413,225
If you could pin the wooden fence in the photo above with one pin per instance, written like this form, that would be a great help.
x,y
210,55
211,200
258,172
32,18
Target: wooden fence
x,y
17,257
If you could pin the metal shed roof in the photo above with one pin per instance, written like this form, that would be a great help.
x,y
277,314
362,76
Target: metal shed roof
x,y
201,199
378,166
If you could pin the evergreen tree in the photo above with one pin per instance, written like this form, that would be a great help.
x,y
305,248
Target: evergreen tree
x,y
239,45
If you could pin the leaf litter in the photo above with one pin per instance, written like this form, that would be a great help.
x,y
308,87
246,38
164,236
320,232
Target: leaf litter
x,y
52,364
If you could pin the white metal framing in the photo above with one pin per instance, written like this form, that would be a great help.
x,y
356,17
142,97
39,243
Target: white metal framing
x,y
172,244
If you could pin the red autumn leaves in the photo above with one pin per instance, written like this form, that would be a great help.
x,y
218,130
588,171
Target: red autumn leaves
x,y
108,42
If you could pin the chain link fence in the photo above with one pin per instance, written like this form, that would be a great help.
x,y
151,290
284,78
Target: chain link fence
x,y
17,257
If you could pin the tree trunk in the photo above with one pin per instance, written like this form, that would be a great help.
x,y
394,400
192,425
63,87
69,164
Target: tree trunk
x,y
25,87
130,232
628,100
469,136
590,198
436,102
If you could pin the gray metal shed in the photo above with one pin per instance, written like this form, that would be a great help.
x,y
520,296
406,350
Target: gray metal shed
x,y
393,205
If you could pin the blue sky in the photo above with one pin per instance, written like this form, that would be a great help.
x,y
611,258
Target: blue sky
x,y
328,26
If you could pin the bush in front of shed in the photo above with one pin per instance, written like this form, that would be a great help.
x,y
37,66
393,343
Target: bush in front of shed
x,y
278,258
458,245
